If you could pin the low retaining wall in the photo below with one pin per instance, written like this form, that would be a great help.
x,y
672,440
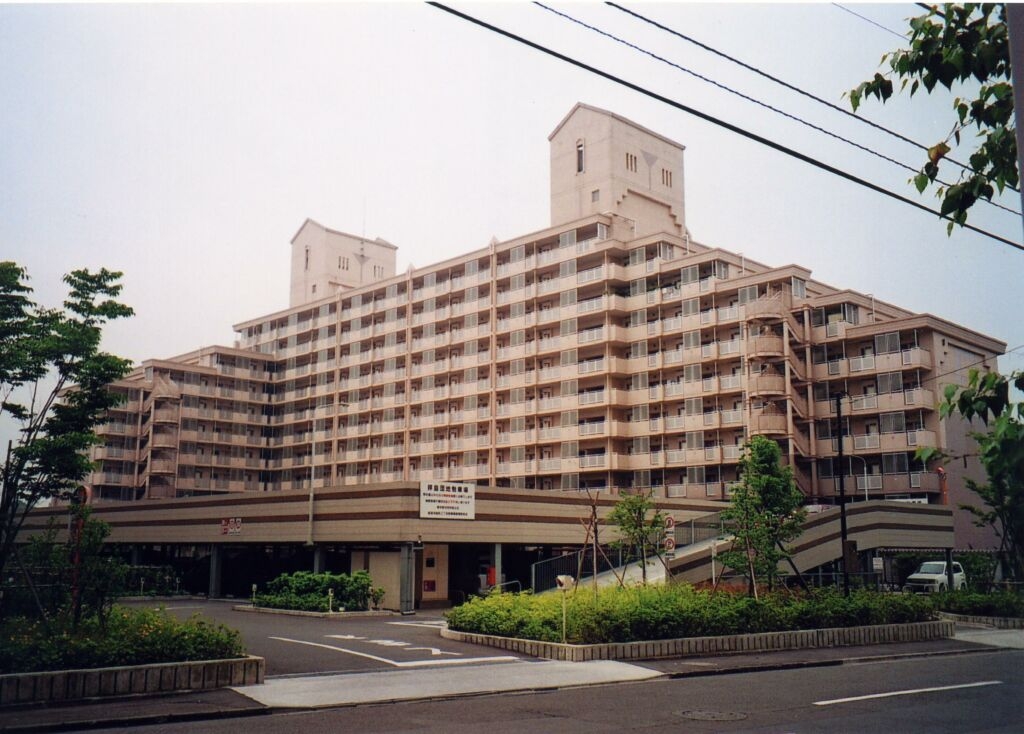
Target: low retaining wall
x,y
70,685
690,646
321,615
1002,623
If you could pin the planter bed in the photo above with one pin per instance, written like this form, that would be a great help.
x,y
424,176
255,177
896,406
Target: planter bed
x,y
693,646
72,685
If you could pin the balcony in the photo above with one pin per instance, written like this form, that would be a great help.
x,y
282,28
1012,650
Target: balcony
x,y
767,384
767,345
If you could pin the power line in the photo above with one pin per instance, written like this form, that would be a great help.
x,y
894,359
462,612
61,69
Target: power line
x,y
972,364
715,121
787,85
868,20
748,98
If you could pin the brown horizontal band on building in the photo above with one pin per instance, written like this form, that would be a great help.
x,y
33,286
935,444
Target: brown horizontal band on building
x,y
867,529
704,557
828,517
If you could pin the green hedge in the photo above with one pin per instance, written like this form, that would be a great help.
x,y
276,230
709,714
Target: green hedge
x,y
308,592
130,637
998,604
667,612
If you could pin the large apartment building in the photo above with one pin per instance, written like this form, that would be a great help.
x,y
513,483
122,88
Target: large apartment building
x,y
610,350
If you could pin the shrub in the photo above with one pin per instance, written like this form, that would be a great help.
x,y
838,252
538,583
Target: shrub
x,y
131,637
666,612
998,604
308,592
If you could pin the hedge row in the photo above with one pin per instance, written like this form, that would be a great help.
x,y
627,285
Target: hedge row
x,y
667,612
130,637
308,592
997,604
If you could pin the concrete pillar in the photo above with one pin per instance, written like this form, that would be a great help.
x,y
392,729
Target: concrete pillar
x,y
319,559
407,579
216,566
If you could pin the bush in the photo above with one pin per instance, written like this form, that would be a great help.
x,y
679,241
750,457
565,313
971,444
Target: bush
x,y
308,592
666,612
998,604
130,637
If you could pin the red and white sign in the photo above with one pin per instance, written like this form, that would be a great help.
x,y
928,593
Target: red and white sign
x,y
231,526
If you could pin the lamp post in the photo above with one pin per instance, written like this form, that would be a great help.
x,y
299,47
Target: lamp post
x,y
865,462
842,495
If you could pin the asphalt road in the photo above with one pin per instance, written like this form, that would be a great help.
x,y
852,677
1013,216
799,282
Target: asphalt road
x,y
310,645
981,692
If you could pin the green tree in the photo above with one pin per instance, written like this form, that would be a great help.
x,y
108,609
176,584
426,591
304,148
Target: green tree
x,y
43,353
765,514
1001,453
966,46
641,526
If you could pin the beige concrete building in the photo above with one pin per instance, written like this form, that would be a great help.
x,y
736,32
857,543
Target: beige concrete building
x,y
608,351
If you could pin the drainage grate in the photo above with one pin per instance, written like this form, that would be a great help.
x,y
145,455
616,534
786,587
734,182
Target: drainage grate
x,y
713,715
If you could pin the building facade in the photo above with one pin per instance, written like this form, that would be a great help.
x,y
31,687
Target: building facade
x,y
609,351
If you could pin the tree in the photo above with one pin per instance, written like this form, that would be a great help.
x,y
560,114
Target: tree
x,y
954,46
1001,453
640,529
59,348
765,514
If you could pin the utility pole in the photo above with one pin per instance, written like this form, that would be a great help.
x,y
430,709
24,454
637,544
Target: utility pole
x,y
842,495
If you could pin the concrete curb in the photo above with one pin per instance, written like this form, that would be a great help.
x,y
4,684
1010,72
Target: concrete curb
x,y
1001,623
691,646
73,685
321,615
132,721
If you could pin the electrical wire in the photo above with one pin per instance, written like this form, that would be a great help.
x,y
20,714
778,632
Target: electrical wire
x,y
715,121
748,98
787,85
868,20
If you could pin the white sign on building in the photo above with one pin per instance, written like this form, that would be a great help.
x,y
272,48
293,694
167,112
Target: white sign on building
x,y
447,501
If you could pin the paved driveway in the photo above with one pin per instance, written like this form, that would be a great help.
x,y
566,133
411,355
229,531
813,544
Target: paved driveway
x,y
310,645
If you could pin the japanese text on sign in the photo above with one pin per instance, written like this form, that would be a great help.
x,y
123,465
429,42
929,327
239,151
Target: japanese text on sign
x,y
447,501
231,526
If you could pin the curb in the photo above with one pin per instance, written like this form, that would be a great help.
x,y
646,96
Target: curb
x,y
321,615
683,647
144,720
999,623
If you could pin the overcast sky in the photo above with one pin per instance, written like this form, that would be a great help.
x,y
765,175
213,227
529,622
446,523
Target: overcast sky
x,y
185,145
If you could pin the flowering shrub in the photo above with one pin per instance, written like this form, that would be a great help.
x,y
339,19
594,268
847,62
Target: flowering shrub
x,y
666,612
130,637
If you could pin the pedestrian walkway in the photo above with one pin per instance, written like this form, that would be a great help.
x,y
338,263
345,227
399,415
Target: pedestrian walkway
x,y
407,685
992,637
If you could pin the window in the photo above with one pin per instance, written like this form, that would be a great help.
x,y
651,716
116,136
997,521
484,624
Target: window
x,y
630,162
307,259
313,290
579,156
893,422
894,464
666,177
799,286
887,343
342,263
595,195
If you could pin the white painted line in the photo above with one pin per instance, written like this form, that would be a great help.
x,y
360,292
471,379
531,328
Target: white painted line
x,y
440,624
334,647
396,663
909,692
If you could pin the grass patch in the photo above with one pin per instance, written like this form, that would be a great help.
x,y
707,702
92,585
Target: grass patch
x,y
129,637
667,612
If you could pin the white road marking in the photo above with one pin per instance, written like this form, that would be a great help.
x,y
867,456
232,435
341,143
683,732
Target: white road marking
x,y
909,692
439,624
173,608
408,664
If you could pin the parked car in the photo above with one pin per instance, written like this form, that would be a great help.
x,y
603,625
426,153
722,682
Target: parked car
x,y
931,577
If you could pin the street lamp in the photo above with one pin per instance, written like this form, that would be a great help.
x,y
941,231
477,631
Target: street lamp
x,y
842,494
865,462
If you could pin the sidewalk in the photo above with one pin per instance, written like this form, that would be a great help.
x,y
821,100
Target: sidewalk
x,y
404,685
